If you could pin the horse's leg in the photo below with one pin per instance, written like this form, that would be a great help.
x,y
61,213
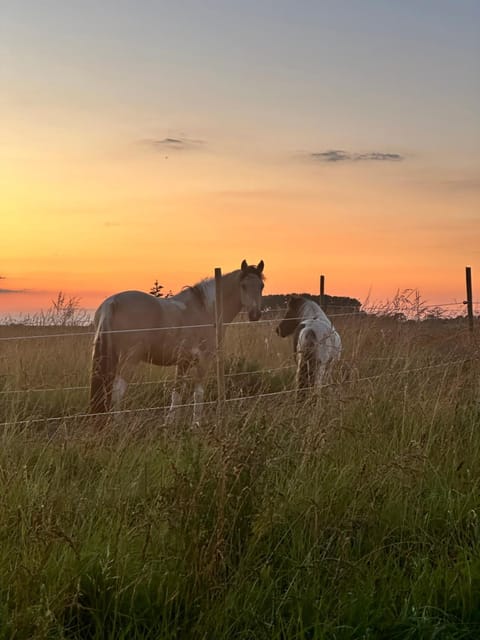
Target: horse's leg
x,y
119,388
198,396
122,379
199,375
180,382
104,366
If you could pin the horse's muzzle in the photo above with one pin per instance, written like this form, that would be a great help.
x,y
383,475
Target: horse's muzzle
x,y
280,331
254,314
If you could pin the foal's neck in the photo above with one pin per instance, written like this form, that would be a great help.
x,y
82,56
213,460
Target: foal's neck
x,y
311,309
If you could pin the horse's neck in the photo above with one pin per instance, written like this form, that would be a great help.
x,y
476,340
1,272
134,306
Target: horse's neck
x,y
232,304
230,294
199,300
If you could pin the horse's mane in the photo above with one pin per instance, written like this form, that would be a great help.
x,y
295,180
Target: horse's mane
x,y
200,289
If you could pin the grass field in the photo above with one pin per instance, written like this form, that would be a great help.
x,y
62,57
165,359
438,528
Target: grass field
x,y
356,515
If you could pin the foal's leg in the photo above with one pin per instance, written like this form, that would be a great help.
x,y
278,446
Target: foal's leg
x,y
320,375
299,373
301,377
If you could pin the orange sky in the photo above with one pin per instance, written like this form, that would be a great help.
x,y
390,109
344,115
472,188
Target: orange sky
x,y
176,219
104,190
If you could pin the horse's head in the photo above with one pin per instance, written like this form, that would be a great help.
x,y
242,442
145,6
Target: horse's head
x,y
292,317
251,286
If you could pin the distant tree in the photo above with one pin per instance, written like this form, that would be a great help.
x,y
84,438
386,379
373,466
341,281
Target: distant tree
x,y
333,303
156,290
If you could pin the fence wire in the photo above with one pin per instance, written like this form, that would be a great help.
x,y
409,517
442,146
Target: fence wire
x,y
375,313
364,313
164,382
171,379
259,396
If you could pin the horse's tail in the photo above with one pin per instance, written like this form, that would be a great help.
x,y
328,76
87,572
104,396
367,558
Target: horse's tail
x,y
104,362
307,359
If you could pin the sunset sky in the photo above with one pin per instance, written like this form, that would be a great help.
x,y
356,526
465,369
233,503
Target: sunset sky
x,y
147,140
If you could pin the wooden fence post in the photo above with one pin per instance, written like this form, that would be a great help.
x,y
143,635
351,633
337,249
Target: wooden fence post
x,y
469,300
322,292
219,345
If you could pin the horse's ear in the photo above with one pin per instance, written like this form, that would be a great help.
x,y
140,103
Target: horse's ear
x,y
260,266
244,265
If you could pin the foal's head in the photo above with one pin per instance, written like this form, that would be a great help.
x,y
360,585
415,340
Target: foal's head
x,y
251,286
292,317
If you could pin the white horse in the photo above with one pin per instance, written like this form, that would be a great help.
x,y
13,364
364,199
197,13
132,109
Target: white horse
x,y
316,343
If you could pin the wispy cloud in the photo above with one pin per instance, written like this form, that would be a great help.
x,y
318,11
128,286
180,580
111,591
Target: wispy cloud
x,y
175,144
338,155
6,291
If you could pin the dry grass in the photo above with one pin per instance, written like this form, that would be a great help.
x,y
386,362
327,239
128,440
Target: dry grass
x,y
352,516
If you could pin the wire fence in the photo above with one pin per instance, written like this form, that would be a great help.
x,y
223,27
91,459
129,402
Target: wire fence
x,y
237,399
164,381
379,312
171,379
371,312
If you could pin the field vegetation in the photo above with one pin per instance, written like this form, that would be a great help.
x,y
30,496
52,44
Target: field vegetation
x,y
351,515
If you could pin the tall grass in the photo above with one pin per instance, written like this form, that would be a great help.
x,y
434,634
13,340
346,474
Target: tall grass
x,y
354,515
